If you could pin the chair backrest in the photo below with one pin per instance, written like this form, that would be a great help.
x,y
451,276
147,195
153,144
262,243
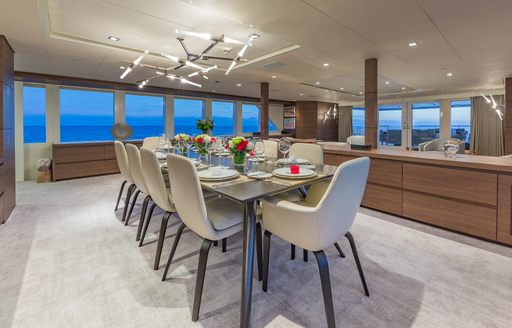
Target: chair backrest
x,y
312,152
188,196
136,167
154,179
338,207
122,161
270,148
150,143
356,140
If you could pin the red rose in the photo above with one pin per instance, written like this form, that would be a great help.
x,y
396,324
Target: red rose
x,y
242,145
214,139
251,153
226,147
199,140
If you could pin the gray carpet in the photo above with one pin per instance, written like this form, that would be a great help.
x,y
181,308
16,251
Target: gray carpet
x,y
67,261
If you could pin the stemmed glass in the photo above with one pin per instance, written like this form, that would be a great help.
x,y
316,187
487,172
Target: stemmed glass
x,y
284,148
259,148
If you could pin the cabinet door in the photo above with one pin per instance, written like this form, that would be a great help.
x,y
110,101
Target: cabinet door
x,y
504,209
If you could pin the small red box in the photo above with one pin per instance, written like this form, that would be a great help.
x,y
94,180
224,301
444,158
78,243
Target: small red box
x,y
294,169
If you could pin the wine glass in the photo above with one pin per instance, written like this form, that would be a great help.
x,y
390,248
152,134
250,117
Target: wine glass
x,y
284,148
259,148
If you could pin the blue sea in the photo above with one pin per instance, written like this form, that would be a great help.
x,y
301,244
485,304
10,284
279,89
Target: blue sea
x,y
35,134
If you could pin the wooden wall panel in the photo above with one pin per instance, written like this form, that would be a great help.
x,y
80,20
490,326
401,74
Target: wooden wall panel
x,y
508,116
504,224
370,101
382,198
327,131
467,218
473,186
305,121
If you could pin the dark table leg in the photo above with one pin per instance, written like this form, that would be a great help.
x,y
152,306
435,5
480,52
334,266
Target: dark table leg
x,y
248,253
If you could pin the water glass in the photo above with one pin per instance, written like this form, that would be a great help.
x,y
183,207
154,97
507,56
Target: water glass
x,y
284,147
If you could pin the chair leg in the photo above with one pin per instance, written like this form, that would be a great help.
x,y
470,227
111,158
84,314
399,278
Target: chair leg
x,y
358,263
292,251
305,255
120,194
137,193
325,280
259,252
201,270
338,248
266,258
146,224
127,201
224,245
173,250
143,211
161,237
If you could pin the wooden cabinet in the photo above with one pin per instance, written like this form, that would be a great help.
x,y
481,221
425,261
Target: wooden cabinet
x,y
383,198
78,160
504,224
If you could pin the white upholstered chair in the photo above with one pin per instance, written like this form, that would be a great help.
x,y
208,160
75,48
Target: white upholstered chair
x,y
356,140
312,152
150,143
160,195
319,221
124,167
138,177
270,148
212,220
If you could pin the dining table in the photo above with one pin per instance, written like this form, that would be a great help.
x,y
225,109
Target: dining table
x,y
247,191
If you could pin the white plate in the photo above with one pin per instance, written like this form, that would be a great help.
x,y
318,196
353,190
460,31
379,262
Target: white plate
x,y
306,166
284,172
259,175
216,174
298,161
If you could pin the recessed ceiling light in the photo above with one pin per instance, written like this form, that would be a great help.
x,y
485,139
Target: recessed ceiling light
x,y
122,67
317,83
342,88
273,76
387,82
213,91
412,44
360,92
403,88
239,84
254,36
449,74
301,94
113,38
326,64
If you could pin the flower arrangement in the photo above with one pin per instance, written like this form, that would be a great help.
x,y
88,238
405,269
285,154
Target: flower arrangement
x,y
181,141
239,147
205,125
202,141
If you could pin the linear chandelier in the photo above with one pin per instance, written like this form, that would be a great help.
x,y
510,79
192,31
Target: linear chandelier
x,y
497,107
192,60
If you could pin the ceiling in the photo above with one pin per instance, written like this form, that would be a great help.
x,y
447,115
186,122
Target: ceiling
x,y
468,38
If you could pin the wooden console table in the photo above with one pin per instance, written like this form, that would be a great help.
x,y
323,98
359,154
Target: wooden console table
x,y
79,160
468,194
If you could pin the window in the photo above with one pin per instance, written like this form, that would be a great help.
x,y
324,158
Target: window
x,y
145,115
425,122
461,120
357,121
34,114
86,115
186,113
390,125
223,118
251,119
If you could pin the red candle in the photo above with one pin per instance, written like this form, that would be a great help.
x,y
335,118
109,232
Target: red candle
x,y
294,169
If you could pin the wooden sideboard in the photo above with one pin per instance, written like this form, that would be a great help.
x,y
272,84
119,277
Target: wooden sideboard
x,y
79,160
468,194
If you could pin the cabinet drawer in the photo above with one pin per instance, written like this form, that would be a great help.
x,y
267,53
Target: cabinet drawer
x,y
76,170
504,231
382,198
78,154
385,172
111,166
467,218
336,159
110,153
479,187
